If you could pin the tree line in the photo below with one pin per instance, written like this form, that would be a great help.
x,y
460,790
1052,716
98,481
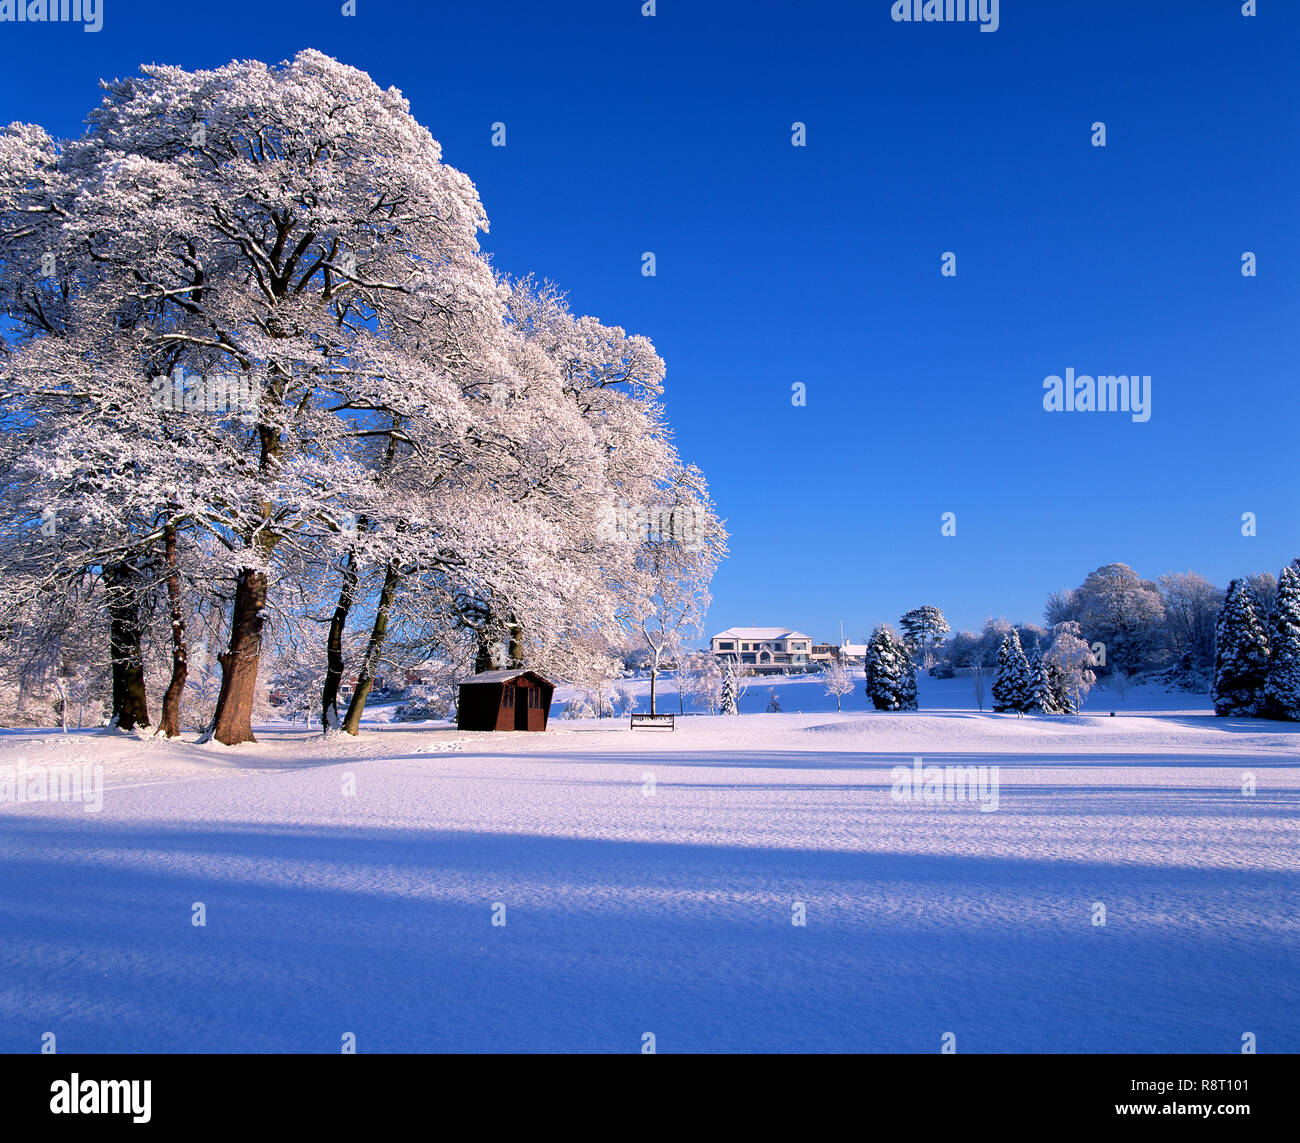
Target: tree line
x,y
1241,645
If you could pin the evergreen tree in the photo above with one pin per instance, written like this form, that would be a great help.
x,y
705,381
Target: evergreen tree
x,y
1240,654
884,669
773,701
1042,700
728,704
1012,686
923,629
1282,685
907,680
1058,683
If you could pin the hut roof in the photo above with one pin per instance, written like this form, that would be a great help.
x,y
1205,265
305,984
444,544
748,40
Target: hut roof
x,y
501,677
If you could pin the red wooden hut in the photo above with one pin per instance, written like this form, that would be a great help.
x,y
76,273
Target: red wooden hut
x,y
504,700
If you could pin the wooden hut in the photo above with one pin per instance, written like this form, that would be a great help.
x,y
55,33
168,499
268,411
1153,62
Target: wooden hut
x,y
504,700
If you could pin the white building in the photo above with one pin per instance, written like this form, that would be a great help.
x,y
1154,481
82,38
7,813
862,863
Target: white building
x,y
768,650
847,654
853,654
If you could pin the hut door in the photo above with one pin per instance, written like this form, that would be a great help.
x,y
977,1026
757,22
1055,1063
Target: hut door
x,y
521,707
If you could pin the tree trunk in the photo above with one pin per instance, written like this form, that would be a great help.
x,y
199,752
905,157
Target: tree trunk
x,y
130,703
366,676
169,725
654,672
334,646
515,650
63,701
233,721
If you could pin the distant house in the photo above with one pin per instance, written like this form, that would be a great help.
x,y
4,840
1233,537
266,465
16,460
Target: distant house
x,y
427,673
767,650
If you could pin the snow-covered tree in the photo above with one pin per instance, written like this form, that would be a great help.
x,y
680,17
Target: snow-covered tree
x,y
907,680
634,536
1240,654
1126,613
838,681
887,668
923,629
773,701
978,681
705,675
1042,699
1191,607
1282,685
594,667
668,595
1263,593
626,698
739,676
727,703
1070,663
1011,686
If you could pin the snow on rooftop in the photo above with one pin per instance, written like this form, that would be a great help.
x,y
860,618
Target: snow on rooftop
x,y
762,633
499,676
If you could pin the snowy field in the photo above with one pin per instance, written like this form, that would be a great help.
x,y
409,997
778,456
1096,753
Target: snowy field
x,y
649,882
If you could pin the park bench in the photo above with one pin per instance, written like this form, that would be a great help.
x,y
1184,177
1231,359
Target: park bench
x,y
652,720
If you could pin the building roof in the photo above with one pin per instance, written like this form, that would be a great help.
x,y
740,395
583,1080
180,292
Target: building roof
x,y
763,634
501,677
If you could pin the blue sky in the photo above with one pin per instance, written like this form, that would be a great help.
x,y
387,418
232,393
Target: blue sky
x,y
820,264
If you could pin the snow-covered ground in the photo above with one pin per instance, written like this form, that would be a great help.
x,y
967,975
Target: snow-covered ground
x,y
649,880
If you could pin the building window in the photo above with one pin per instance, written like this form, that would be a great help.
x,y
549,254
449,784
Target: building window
x,y
509,697
726,646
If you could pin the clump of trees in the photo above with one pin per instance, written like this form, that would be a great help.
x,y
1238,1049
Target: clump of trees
x,y
1257,662
1055,682
1163,627
262,392
1242,644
